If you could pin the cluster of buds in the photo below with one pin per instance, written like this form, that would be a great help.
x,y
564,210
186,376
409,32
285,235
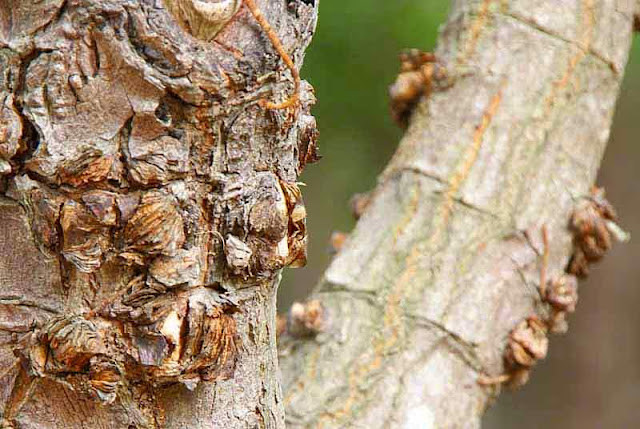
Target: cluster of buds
x,y
304,320
594,228
562,296
359,203
528,343
336,241
419,74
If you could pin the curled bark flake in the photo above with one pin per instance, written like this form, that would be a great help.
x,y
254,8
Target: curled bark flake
x,y
65,344
10,133
182,269
269,216
297,238
44,208
85,238
91,168
276,235
159,161
139,292
214,355
202,341
156,228
154,156
238,253
127,205
307,131
102,205
105,378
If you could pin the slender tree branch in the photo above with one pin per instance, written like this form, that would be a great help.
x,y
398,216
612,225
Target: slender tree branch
x,y
508,148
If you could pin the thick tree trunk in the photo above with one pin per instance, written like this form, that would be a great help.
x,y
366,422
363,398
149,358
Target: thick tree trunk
x,y
148,203
446,259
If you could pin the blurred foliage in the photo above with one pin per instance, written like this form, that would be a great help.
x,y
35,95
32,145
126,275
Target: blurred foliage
x,y
591,378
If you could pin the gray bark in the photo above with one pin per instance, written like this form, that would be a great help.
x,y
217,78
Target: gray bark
x,y
446,259
148,203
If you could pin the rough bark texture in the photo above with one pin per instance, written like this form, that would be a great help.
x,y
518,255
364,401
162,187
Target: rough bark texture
x,y
445,261
147,205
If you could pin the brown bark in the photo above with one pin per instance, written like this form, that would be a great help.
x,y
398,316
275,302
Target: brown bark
x,y
148,204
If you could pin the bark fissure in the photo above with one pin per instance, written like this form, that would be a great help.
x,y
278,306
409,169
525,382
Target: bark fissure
x,y
586,49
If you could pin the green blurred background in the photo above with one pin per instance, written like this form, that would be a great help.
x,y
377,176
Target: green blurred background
x,y
591,378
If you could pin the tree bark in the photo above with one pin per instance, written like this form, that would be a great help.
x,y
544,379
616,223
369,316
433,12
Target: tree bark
x,y
445,261
148,202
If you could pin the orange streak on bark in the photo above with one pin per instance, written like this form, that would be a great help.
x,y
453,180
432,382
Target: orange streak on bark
x,y
474,32
292,101
588,24
392,321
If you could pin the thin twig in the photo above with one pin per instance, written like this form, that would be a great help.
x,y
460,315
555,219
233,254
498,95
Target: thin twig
x,y
484,380
545,261
277,44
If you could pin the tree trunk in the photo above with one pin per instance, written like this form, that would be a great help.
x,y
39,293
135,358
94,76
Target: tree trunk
x,y
148,201
446,259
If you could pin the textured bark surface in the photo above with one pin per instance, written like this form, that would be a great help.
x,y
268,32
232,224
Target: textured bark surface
x,y
445,261
148,202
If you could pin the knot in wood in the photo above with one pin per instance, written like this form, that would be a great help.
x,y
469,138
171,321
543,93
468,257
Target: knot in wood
x,y
203,19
